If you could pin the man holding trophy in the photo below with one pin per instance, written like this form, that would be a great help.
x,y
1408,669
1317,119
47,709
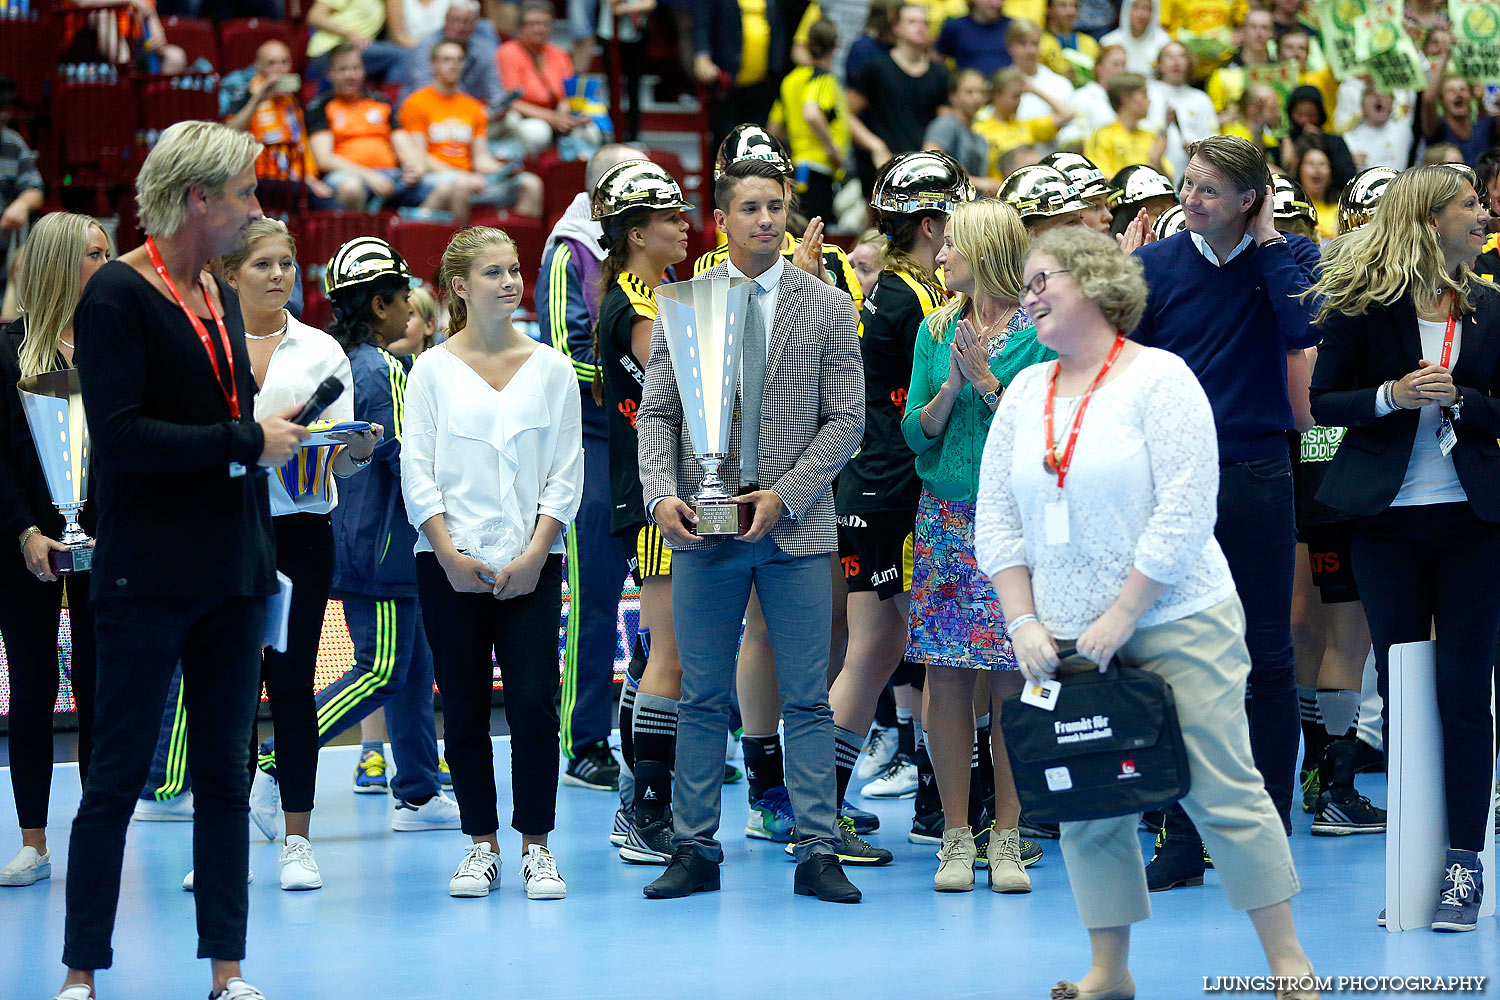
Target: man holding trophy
x,y
753,401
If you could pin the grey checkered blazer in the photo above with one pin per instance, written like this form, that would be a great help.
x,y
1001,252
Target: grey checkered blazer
x,y
812,415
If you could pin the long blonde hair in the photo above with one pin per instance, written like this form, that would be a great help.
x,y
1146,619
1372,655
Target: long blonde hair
x,y
993,240
1396,253
458,259
47,285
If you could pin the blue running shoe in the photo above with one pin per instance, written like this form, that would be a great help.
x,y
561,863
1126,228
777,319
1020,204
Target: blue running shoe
x,y
864,820
369,774
771,817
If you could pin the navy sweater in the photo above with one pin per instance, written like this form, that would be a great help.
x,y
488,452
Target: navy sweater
x,y
1234,325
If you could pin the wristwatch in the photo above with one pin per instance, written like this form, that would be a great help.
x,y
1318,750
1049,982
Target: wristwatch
x,y
992,400
1456,410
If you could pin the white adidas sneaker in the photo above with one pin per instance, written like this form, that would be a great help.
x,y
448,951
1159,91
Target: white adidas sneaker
x,y
539,873
437,813
477,874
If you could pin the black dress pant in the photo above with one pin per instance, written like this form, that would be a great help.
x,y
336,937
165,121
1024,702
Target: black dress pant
x,y
140,642
468,634
29,614
1417,565
304,552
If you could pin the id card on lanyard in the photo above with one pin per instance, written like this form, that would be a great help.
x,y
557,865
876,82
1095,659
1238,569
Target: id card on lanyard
x,y
1447,437
231,390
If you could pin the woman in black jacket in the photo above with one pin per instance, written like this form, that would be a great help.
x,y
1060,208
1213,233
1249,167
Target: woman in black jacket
x,y
61,256
1410,363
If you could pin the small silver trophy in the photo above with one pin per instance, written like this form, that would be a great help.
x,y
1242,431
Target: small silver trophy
x,y
53,405
703,319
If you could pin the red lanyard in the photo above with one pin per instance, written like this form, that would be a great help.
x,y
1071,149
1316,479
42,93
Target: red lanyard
x,y
1448,340
232,393
1061,463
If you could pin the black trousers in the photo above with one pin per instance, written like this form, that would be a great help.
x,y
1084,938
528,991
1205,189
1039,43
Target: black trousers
x,y
468,633
817,198
139,645
304,552
29,614
1417,564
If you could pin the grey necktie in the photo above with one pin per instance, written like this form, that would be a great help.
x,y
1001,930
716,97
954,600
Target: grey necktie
x,y
752,382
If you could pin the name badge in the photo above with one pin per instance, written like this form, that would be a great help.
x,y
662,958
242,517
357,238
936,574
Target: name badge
x,y
1447,437
1055,522
1043,695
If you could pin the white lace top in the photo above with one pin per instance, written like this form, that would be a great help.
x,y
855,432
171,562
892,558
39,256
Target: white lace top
x,y
1142,492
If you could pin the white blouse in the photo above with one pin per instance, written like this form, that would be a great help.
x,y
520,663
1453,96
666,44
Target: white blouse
x,y
1142,492
300,363
1430,475
491,461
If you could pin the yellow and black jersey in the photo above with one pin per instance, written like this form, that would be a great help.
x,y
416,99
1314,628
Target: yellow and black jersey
x,y
1487,264
628,300
882,475
834,260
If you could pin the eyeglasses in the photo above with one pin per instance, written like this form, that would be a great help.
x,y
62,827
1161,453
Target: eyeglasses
x,y
1038,283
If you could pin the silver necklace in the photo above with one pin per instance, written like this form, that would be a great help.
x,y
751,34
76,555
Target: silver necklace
x,y
271,336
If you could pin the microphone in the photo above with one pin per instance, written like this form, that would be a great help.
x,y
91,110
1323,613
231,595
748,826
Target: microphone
x,y
330,389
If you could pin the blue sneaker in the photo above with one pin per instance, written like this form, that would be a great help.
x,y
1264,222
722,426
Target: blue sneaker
x,y
864,820
771,817
369,774
445,777
1461,893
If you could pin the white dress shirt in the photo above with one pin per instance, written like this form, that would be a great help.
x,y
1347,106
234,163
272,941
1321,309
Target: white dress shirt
x,y
304,358
1208,251
491,461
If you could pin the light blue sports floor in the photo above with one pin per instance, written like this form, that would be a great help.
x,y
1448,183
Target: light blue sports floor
x,y
383,925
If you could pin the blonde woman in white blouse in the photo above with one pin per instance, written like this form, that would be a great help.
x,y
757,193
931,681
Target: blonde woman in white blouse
x,y
1103,536
492,472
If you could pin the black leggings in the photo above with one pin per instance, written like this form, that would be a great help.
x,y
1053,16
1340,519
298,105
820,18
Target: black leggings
x,y
304,552
29,613
1417,564
468,633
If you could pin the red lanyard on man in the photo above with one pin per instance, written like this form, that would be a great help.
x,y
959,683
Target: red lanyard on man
x,y
232,390
1060,462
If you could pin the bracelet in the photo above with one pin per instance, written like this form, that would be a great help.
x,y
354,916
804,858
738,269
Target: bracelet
x,y
26,535
360,463
1278,238
1388,395
1020,620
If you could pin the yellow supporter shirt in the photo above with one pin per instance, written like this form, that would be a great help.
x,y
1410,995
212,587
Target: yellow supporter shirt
x,y
1034,11
1005,136
1270,141
1073,61
803,84
755,48
1202,17
1328,219
1114,147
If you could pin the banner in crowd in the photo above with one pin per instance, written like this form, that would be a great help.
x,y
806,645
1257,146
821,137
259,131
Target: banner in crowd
x,y
1476,40
1366,38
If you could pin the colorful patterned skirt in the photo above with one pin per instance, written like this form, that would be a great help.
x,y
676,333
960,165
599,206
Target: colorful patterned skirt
x,y
955,615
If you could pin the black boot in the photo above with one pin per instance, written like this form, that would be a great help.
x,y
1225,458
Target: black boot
x,y
1342,810
1179,854
927,820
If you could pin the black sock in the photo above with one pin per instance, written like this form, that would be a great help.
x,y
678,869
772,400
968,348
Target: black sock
x,y
845,757
906,734
986,750
627,724
420,800
928,800
885,709
1314,735
976,789
762,764
655,746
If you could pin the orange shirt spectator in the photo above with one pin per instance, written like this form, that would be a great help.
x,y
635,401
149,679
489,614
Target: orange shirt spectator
x,y
538,76
265,105
361,129
449,123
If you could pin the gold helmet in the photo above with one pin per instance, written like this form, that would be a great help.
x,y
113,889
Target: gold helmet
x,y
1290,201
1039,191
1361,195
1170,223
926,181
1080,172
1138,183
634,184
751,142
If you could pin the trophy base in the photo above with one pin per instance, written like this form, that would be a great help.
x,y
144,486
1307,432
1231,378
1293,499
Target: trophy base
x,y
69,561
722,518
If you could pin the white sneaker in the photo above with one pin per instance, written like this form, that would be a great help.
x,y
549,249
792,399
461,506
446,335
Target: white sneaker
x,y
897,781
27,868
265,804
879,750
178,809
238,989
477,874
539,873
298,868
437,813
79,992
187,883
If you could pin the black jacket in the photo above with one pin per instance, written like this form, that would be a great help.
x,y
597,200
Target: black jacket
x,y
24,499
1359,354
717,32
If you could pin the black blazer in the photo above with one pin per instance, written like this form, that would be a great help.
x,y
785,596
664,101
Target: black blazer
x,y
24,499
1359,354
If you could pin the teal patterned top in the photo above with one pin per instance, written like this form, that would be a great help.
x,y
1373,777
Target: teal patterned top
x,y
949,463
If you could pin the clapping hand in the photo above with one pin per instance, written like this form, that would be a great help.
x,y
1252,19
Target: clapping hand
x,y
973,358
809,253
1137,233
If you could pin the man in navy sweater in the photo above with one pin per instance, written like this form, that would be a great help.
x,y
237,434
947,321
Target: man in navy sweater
x,y
1224,296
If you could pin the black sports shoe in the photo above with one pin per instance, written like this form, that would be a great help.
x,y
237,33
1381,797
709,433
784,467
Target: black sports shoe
x,y
1175,864
594,768
926,828
1367,759
1342,811
821,875
687,872
649,844
1037,831
1031,852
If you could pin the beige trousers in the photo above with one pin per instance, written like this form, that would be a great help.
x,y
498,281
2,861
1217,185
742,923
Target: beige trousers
x,y
1203,657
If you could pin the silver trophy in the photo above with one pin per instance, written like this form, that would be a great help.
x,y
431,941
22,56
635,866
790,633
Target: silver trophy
x,y
703,319
53,405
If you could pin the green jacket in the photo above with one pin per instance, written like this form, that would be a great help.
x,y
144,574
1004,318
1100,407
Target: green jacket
x,y
949,463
